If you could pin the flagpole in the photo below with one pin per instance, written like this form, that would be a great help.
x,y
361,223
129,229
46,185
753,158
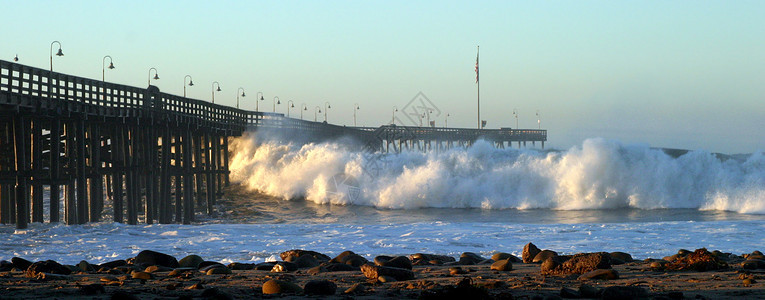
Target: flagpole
x,y
478,82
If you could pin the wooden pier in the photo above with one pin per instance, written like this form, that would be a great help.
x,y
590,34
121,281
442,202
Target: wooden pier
x,y
143,155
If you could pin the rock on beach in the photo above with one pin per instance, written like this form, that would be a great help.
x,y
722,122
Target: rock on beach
x,y
578,264
529,252
150,257
374,272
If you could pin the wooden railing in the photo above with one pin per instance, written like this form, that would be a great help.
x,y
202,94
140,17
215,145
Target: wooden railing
x,y
42,90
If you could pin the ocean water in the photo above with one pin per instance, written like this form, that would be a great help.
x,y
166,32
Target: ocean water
x,y
600,196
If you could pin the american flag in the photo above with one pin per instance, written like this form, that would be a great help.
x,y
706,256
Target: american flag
x,y
476,68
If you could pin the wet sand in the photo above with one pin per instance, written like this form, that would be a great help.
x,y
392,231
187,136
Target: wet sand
x,y
525,281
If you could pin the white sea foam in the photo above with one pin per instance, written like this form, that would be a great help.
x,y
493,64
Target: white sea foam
x,y
264,242
599,174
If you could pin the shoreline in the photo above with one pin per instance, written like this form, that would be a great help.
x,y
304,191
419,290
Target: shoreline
x,y
301,273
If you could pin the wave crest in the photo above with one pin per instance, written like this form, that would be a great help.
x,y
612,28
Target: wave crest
x,y
599,174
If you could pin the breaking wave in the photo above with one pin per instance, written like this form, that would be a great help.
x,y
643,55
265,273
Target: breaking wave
x,y
599,174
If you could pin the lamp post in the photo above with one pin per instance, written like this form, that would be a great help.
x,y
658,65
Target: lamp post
x,y
16,58
276,101
258,99
355,108
237,96
59,53
103,67
156,75
290,104
191,83
539,122
393,119
315,115
326,107
446,121
214,90
515,113
305,107
428,112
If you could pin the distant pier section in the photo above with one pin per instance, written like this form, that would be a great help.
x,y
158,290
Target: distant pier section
x,y
140,155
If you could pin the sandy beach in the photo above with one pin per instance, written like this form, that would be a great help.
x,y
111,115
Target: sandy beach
x,y
536,274
146,278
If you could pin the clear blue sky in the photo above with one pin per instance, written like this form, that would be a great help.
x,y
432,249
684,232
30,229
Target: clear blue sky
x,y
681,74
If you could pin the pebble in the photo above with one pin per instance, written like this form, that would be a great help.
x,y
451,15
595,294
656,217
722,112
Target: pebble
x,y
470,258
206,264
142,275
374,272
320,287
457,271
155,258
502,255
577,264
275,286
47,266
396,262
220,270
292,254
544,255
529,252
284,266
340,258
751,264
306,261
85,266
114,264
5,266
433,259
151,269
20,263
618,258
502,265
264,266
190,261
